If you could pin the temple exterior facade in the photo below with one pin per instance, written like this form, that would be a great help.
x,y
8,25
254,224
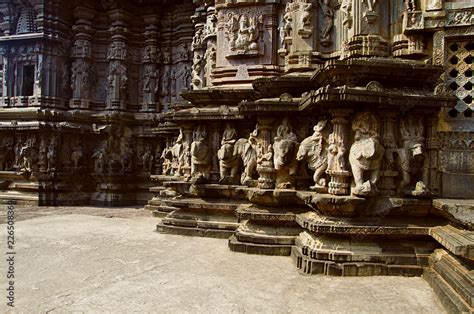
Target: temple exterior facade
x,y
339,132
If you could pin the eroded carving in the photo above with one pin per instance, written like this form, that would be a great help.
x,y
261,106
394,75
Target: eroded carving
x,y
366,153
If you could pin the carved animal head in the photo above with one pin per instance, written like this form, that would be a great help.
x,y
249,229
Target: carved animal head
x,y
284,153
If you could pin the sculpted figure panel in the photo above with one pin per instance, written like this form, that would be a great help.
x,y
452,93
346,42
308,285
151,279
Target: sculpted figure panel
x,y
412,156
284,159
200,155
314,150
243,32
366,153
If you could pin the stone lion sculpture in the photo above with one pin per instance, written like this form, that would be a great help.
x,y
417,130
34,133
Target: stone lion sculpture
x,y
366,153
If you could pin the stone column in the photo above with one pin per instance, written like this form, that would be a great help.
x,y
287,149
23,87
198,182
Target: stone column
x,y
389,174
151,75
188,139
339,147
82,65
117,79
431,175
216,132
265,167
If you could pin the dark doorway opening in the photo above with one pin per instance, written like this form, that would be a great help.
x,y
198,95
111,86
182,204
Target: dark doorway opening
x,y
28,80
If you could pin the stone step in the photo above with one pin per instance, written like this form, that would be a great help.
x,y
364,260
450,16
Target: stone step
x,y
251,232
345,250
410,227
458,274
268,213
157,189
222,205
450,299
310,266
194,231
458,241
257,248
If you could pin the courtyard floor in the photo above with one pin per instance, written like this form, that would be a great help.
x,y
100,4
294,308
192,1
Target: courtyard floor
x,y
71,259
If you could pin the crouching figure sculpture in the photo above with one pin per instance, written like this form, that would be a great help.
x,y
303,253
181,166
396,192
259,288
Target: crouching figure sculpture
x,y
365,155
285,148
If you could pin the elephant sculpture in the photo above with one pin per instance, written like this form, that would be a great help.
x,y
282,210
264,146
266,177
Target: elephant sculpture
x,y
285,148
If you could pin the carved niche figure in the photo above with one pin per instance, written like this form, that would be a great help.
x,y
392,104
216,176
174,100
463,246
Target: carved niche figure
x,y
166,161
346,9
200,155
366,153
370,4
116,80
7,154
99,156
125,154
285,147
328,22
228,159
43,155
179,156
147,159
306,16
288,19
76,155
29,155
243,32
314,150
196,81
52,154
412,157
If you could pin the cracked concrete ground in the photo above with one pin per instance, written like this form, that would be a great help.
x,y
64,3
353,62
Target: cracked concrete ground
x,y
94,260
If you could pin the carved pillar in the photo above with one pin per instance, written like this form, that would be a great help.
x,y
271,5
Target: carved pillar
x,y
209,38
432,174
117,79
151,75
265,168
82,66
368,30
215,144
188,139
339,146
389,174
198,47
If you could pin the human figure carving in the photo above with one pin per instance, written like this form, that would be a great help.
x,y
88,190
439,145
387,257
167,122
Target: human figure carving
x,y
200,155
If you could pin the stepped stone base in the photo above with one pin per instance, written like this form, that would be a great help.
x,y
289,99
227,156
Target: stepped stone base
x,y
338,256
452,279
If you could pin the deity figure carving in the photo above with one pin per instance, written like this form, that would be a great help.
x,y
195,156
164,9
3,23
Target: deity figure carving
x,y
7,154
76,155
100,155
42,155
288,20
314,150
52,154
210,28
306,16
116,80
200,155
346,9
411,157
228,160
370,4
166,161
147,159
196,81
328,22
243,32
197,39
179,156
125,155
29,155
366,154
285,148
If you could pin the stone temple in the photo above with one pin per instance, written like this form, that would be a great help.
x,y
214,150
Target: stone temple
x,y
337,132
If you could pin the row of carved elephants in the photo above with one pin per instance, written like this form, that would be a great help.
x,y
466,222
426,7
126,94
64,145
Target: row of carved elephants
x,y
270,157
28,152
